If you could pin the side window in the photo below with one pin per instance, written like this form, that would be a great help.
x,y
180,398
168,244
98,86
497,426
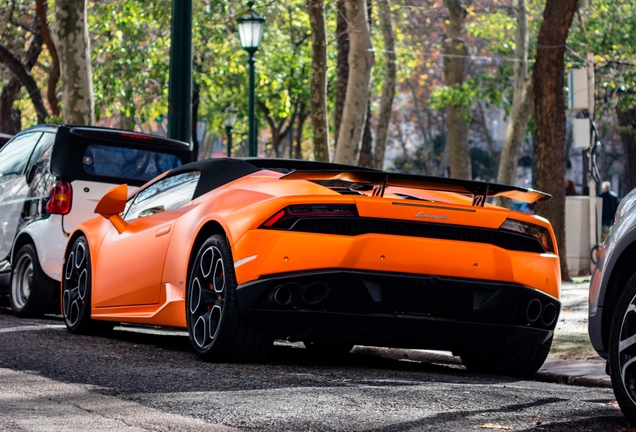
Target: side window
x,y
166,194
14,156
38,175
39,156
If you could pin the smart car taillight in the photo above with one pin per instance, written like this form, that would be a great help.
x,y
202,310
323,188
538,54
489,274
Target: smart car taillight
x,y
538,232
61,198
286,217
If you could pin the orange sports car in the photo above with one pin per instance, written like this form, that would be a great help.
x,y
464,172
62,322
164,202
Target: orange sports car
x,y
242,251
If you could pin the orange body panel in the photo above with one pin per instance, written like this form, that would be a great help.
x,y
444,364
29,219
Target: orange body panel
x,y
140,275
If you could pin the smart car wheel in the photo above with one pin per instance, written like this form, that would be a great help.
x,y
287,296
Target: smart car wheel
x,y
520,361
32,290
217,332
76,291
622,350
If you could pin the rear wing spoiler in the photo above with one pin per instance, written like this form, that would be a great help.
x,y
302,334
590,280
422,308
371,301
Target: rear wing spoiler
x,y
379,180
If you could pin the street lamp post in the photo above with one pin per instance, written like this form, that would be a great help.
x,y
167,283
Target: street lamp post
x,y
250,28
229,120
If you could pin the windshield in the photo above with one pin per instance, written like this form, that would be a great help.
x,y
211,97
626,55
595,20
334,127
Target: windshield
x,y
127,163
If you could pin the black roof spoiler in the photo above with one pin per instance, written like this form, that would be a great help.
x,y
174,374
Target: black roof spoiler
x,y
379,180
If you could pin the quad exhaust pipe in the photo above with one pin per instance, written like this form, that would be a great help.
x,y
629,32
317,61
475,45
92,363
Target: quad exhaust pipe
x,y
549,315
286,294
535,311
310,294
315,292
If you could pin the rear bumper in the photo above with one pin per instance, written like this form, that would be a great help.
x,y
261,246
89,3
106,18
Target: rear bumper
x,y
261,253
397,310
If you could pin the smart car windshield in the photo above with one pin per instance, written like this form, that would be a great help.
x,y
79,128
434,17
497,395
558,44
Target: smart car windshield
x,y
127,163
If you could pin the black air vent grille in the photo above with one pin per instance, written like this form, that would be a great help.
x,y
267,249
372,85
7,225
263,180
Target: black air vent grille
x,y
357,226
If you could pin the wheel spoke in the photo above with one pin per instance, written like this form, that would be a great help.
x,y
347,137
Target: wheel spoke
x,y
219,276
626,343
69,266
80,253
215,321
200,330
207,259
624,371
81,284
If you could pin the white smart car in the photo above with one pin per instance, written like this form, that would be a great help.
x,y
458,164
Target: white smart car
x,y
51,178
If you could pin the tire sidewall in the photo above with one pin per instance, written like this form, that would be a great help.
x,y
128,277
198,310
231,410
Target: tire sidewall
x,y
218,344
628,406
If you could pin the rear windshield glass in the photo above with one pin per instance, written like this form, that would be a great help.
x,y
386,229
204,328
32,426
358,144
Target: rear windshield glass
x,y
127,163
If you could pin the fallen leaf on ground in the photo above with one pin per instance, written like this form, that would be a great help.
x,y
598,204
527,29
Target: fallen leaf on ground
x,y
612,403
567,310
495,426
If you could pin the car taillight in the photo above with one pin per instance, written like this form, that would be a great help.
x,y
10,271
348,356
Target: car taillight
x,y
286,217
61,198
538,232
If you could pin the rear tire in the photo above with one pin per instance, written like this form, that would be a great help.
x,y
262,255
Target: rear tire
x,y
32,290
217,331
523,361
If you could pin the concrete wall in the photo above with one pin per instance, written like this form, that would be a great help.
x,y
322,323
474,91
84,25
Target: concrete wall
x,y
578,234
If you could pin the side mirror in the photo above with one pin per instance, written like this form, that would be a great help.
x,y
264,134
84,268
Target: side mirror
x,y
112,204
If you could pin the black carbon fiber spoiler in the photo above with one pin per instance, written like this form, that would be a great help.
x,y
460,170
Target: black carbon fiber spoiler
x,y
379,180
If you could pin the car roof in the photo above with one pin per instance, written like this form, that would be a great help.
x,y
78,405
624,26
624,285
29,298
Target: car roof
x,y
219,171
110,133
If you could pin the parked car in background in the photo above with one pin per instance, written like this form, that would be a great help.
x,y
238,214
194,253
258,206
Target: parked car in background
x,y
612,305
239,252
51,177
4,138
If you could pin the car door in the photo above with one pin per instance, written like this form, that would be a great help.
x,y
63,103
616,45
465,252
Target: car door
x,y
130,265
14,189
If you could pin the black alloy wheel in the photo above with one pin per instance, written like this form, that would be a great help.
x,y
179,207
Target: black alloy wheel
x,y
622,350
217,331
76,291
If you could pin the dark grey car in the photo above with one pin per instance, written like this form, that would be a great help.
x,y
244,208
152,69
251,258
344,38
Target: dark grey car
x,y
612,308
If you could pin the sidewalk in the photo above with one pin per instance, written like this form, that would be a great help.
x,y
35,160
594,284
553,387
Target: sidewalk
x,y
572,360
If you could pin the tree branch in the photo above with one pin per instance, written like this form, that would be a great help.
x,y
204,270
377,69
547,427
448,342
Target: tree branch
x,y
18,70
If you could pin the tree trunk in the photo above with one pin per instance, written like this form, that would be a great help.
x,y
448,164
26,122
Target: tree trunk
x,y
522,103
8,96
627,121
365,159
318,87
388,87
302,116
54,74
454,72
360,63
549,98
196,94
342,67
71,38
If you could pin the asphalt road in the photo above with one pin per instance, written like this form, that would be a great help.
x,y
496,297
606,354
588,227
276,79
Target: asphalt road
x,y
51,380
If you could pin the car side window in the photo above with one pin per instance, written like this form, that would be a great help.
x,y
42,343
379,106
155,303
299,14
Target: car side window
x,y
15,155
39,156
166,194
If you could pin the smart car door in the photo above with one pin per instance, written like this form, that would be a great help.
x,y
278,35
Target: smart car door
x,y
14,189
130,264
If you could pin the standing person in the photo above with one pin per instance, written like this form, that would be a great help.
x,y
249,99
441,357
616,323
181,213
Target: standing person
x,y
610,204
